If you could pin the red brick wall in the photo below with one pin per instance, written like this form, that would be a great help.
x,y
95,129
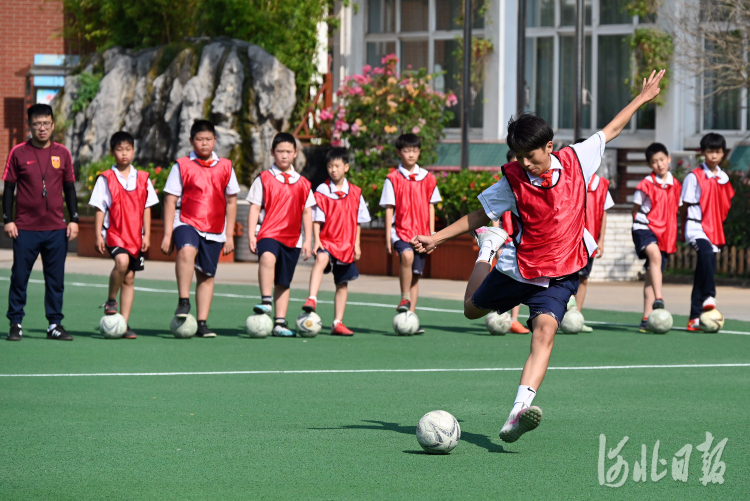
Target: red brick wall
x,y
28,27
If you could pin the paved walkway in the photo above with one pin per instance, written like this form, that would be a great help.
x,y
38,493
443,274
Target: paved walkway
x,y
734,302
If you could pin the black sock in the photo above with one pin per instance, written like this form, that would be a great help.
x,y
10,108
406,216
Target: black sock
x,y
184,301
280,321
201,323
265,299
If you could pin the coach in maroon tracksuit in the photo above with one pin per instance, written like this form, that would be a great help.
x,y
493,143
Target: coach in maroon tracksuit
x,y
40,171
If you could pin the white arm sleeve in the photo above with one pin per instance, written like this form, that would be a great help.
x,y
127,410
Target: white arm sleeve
x,y
255,194
174,182
608,203
363,215
389,196
100,197
497,199
691,190
435,198
233,187
590,154
152,198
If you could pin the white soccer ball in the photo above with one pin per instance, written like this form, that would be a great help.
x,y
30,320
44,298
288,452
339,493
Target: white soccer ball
x,y
711,320
183,327
113,326
259,325
572,322
438,432
309,324
498,324
659,321
406,323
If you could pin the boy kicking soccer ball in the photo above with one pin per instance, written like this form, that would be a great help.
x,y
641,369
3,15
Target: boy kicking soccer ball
x,y
707,197
546,192
337,215
123,197
655,205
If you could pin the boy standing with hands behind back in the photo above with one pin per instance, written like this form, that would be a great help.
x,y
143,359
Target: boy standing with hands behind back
x,y
409,197
286,201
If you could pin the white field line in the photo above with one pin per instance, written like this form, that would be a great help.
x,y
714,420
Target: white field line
x,y
357,371
354,303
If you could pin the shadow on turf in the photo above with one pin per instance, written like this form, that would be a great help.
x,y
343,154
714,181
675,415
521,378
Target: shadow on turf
x,y
473,438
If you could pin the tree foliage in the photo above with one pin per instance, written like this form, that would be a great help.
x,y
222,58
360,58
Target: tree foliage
x,y
285,28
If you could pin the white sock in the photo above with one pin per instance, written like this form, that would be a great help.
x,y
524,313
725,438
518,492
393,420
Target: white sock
x,y
486,252
524,397
314,298
51,326
336,322
406,295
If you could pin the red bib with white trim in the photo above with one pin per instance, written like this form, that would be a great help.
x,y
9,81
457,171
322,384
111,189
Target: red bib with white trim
x,y
412,204
507,224
552,220
284,204
339,232
204,203
716,200
126,212
595,200
662,218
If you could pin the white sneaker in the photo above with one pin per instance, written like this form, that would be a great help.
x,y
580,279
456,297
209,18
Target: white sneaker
x,y
709,304
572,305
520,422
496,237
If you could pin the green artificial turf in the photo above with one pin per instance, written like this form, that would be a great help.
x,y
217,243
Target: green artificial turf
x,y
344,435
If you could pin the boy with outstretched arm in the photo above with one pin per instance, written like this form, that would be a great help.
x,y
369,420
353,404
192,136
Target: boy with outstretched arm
x,y
284,200
655,205
201,199
546,192
409,197
337,215
123,197
706,200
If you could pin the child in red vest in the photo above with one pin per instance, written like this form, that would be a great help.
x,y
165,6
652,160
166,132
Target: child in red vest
x,y
337,215
706,198
201,201
655,205
123,197
282,200
409,197
546,192
598,201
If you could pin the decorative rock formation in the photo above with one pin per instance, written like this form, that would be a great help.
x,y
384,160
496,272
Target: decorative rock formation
x,y
156,94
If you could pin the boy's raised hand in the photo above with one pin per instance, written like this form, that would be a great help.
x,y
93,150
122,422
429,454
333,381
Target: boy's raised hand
x,y
650,88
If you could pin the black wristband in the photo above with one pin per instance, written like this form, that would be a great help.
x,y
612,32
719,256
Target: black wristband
x,y
8,200
71,201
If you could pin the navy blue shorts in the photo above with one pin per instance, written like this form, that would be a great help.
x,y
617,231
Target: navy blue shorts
x,y
207,259
644,238
417,266
499,292
286,259
586,270
343,273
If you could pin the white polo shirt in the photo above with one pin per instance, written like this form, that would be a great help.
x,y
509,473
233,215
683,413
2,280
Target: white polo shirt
x,y
499,198
174,187
101,198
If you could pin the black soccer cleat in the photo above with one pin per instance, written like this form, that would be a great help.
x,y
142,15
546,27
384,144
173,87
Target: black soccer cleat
x,y
183,309
16,332
204,330
59,333
658,304
129,334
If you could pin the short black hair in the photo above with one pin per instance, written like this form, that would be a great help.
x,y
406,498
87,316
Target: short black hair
x,y
120,137
39,110
202,126
713,141
337,154
510,156
528,132
655,148
283,137
408,140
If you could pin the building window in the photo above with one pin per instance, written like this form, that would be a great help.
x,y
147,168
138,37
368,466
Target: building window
x,y
550,55
423,34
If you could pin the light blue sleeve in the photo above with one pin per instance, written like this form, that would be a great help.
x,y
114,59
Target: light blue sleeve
x,y
497,199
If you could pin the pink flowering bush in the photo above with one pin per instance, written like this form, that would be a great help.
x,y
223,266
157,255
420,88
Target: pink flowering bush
x,y
374,108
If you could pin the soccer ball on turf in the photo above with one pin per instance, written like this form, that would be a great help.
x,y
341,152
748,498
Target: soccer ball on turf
x,y
309,324
498,324
406,323
259,325
113,326
438,432
183,327
711,320
659,321
572,322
